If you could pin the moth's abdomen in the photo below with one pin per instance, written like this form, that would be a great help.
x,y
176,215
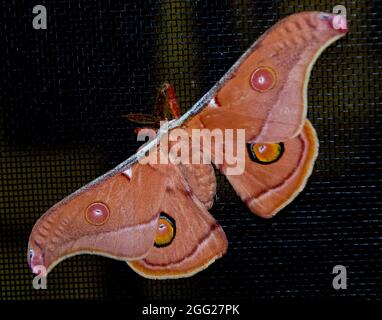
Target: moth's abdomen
x,y
202,181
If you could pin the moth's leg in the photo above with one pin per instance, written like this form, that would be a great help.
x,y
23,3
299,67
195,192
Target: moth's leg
x,y
172,100
142,118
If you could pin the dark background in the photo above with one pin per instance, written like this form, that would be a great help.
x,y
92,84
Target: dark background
x,y
63,92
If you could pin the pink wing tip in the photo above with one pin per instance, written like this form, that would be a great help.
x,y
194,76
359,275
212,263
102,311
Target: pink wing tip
x,y
336,21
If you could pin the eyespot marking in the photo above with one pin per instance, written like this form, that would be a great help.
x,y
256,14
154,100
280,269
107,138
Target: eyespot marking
x,y
166,231
263,79
265,153
97,213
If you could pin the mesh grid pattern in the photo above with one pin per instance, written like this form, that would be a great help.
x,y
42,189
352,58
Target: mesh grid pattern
x,y
64,91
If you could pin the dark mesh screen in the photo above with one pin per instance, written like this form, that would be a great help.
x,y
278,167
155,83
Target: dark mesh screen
x,y
64,91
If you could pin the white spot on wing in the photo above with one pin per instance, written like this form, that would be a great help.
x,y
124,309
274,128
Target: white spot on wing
x,y
128,173
213,103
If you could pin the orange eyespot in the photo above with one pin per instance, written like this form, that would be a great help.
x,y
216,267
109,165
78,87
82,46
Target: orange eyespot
x,y
265,153
97,213
263,79
166,231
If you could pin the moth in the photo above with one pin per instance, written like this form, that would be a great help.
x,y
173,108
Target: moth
x,y
155,217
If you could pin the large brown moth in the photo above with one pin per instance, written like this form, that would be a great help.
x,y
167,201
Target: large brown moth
x,y
155,217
